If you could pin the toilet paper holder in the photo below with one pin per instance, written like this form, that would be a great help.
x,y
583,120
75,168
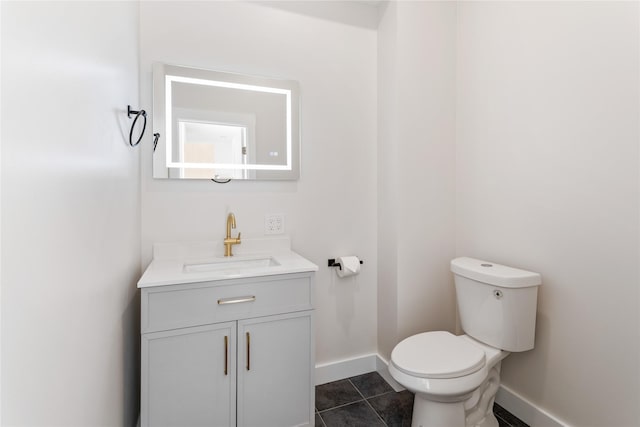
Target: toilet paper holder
x,y
332,263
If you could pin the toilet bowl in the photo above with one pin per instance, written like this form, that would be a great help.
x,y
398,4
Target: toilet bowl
x,y
455,378
443,371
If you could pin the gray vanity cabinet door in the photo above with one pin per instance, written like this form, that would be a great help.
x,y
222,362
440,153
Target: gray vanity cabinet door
x,y
275,360
188,376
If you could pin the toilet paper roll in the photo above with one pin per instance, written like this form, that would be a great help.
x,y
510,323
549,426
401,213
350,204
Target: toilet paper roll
x,y
349,266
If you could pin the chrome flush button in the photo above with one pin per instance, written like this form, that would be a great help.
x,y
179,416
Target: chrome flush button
x,y
486,265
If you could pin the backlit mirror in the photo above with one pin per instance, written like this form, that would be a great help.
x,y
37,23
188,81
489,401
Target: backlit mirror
x,y
223,126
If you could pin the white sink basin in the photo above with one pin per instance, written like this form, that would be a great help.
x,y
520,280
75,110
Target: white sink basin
x,y
231,265
193,262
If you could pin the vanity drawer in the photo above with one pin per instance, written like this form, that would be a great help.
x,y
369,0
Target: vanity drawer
x,y
185,305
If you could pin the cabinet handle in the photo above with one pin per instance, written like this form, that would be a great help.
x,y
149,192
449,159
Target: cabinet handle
x,y
236,300
248,351
226,355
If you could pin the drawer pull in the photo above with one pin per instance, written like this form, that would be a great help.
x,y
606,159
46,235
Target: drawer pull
x,y
226,355
236,300
248,351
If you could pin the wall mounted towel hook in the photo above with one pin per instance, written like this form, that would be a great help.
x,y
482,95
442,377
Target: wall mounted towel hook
x,y
133,125
156,136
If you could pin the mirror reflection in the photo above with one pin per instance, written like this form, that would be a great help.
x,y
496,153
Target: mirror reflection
x,y
224,126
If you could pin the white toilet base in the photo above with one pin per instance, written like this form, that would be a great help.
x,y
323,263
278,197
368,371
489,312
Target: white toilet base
x,y
474,411
427,413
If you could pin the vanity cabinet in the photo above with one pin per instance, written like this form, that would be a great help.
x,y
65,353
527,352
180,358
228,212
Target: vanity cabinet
x,y
187,378
228,352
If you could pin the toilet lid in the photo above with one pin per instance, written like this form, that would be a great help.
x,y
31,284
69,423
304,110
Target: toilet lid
x,y
437,355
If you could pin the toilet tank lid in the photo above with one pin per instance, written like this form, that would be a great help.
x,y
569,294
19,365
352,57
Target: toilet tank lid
x,y
494,274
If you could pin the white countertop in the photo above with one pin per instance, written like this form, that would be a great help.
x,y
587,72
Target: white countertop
x,y
170,259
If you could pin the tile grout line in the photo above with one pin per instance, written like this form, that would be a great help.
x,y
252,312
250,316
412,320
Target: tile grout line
x,y
340,406
381,394
321,419
368,404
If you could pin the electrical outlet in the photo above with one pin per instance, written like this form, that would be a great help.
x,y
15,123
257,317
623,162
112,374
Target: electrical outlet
x,y
274,224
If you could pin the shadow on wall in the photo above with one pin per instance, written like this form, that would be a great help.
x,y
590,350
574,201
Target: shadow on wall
x,y
344,290
363,15
531,359
131,361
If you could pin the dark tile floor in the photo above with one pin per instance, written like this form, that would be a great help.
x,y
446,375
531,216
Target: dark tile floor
x,y
367,401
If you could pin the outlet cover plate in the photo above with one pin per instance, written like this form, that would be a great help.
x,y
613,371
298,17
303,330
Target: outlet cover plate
x,y
274,224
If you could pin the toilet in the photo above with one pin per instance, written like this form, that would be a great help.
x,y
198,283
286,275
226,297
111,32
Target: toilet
x,y
455,378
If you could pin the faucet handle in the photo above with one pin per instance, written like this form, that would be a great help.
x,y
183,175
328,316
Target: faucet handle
x,y
238,236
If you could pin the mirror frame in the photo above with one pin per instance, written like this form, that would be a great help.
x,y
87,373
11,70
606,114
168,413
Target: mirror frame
x,y
164,75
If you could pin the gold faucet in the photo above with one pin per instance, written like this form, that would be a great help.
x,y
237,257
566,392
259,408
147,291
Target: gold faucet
x,y
230,241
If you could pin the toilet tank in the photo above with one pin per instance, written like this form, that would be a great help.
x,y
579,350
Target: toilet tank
x,y
496,303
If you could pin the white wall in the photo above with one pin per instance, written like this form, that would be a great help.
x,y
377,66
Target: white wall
x,y
547,180
416,169
330,48
0,221
70,214
543,175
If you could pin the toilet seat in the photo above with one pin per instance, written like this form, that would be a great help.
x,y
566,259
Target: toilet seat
x,y
437,355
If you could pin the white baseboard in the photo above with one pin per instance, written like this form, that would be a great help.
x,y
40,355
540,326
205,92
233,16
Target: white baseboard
x,y
340,369
525,410
507,398
382,366
347,368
